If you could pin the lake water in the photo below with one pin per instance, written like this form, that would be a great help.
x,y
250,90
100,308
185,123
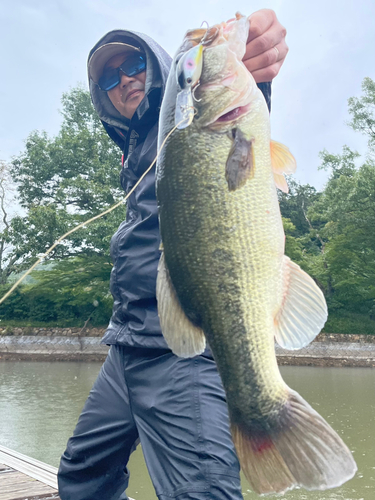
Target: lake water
x,y
40,403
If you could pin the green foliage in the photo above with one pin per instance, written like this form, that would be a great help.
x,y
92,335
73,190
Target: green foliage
x,y
79,286
295,204
332,234
8,260
70,293
342,321
363,112
65,180
350,251
293,245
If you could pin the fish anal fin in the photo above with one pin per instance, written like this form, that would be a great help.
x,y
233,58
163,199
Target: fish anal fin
x,y
283,162
303,311
183,338
240,162
298,449
261,463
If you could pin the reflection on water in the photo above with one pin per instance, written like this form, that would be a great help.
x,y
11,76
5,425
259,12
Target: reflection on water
x,y
41,401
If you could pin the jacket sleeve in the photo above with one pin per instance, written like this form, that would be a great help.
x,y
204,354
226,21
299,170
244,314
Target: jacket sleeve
x,y
266,91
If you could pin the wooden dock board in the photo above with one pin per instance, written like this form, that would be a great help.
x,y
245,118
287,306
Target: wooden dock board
x,y
24,478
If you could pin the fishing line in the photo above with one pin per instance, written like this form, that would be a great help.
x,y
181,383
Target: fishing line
x,y
89,220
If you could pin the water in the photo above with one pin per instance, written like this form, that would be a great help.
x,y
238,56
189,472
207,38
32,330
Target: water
x,y
41,401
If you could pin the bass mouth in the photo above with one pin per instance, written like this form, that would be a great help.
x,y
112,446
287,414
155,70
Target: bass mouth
x,y
229,117
233,114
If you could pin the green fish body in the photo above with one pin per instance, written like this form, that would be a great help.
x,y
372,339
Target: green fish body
x,y
223,275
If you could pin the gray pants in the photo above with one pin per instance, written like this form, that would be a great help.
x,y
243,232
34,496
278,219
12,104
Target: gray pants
x,y
176,407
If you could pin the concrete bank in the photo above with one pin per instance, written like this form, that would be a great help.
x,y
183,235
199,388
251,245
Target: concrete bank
x,y
330,354
326,350
52,348
18,331
332,349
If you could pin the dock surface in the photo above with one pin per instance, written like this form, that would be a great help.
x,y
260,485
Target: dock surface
x,y
24,478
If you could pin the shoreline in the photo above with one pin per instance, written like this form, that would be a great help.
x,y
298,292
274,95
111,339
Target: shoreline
x,y
325,350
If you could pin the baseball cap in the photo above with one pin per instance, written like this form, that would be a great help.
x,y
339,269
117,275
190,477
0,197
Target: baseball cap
x,y
103,54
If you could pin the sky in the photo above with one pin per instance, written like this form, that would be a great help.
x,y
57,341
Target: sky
x,y
44,47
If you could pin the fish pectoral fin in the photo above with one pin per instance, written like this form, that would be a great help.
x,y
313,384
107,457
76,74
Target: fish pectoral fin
x,y
303,311
240,163
183,338
281,183
283,162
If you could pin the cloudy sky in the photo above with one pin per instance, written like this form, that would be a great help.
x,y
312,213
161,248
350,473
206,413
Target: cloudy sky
x,y
44,46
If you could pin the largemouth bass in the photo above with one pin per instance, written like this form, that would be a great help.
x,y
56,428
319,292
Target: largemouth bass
x,y
223,275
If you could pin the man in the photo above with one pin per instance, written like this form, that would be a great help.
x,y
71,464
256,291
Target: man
x,y
175,406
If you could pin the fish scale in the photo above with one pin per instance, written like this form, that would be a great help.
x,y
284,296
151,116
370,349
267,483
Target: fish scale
x,y
194,232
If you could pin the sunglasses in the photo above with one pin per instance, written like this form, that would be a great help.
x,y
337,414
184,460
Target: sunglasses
x,y
132,66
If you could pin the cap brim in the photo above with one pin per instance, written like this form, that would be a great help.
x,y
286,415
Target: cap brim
x,y
103,54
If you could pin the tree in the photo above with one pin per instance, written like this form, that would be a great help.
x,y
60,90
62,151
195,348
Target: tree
x,y
66,293
65,180
302,241
345,213
363,112
8,259
295,204
348,204
331,234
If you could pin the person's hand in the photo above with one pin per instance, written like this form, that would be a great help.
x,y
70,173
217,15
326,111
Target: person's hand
x,y
266,48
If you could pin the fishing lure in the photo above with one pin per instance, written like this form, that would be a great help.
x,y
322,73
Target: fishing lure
x,y
188,72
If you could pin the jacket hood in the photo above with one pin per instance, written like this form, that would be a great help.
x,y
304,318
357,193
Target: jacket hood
x,y
158,65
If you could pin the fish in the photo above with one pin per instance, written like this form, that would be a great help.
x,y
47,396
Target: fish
x,y
223,278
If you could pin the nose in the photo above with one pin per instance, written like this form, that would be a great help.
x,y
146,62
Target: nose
x,y
124,79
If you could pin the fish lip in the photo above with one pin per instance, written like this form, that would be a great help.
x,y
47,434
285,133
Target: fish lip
x,y
218,122
242,110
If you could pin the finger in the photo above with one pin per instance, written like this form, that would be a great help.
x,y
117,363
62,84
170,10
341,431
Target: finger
x,y
268,58
260,22
264,42
267,74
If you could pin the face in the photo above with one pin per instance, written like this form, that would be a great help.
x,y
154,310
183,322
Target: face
x,y
128,94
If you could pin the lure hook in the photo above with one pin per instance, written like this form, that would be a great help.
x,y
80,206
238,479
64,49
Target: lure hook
x,y
193,92
210,35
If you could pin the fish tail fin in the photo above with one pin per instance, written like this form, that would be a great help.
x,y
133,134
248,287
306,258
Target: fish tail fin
x,y
302,450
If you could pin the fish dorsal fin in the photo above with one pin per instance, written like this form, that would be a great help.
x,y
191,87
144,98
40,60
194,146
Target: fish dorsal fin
x,y
283,162
240,162
183,338
303,311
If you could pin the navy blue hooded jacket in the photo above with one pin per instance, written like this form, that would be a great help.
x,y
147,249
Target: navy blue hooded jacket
x,y
135,246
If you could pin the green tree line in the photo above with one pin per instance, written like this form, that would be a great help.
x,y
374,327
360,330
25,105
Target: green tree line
x,y
64,180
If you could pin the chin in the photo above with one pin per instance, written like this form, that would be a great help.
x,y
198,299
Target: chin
x,y
131,110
